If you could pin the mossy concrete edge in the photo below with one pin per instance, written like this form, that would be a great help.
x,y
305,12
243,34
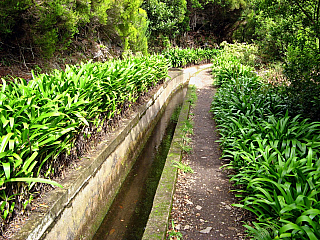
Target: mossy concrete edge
x,y
157,224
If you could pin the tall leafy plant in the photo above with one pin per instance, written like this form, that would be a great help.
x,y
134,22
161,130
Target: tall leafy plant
x,y
186,57
275,156
45,122
289,31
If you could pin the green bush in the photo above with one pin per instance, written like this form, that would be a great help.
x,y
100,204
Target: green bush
x,y
186,57
234,61
51,25
289,31
138,42
303,71
42,121
246,54
166,19
275,156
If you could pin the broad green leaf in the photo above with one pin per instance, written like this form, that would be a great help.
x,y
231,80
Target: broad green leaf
x,y
29,180
7,169
4,141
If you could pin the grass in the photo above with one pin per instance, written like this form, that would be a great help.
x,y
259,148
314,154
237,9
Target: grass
x,y
173,233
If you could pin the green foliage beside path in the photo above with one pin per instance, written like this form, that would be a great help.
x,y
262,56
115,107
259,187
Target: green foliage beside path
x,y
275,156
47,120
289,31
187,57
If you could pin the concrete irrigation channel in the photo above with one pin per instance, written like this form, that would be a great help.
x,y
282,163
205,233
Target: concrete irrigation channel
x,y
77,210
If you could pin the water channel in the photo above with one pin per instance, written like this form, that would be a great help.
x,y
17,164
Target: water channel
x,y
129,212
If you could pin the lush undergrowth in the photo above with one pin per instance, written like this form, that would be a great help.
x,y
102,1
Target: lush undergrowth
x,y
275,157
187,57
46,121
53,119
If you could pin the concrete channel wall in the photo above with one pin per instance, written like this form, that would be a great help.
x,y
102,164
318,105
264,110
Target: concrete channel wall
x,y
77,210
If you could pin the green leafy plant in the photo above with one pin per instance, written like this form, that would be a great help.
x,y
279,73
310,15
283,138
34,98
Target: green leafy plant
x,y
186,57
275,156
173,233
186,130
184,145
183,167
192,98
43,120
165,19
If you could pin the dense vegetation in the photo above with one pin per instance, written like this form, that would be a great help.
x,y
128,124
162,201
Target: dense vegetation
x,y
289,31
32,28
48,26
46,122
275,156
187,57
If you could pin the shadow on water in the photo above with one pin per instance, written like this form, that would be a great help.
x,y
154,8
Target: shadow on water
x,y
130,210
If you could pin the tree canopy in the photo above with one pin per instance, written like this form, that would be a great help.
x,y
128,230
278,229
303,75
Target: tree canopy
x,y
289,30
51,25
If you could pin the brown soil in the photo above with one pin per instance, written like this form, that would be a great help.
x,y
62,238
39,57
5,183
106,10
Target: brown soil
x,y
202,201
18,62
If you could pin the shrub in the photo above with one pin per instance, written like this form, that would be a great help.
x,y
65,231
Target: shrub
x,y
303,71
51,25
185,57
246,54
45,122
275,158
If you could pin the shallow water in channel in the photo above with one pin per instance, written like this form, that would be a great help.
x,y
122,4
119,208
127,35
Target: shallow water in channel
x,y
129,212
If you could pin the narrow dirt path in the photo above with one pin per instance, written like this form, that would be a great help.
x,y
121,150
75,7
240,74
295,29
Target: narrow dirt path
x,y
202,202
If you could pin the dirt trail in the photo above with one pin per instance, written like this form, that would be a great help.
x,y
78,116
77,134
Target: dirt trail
x,y
202,202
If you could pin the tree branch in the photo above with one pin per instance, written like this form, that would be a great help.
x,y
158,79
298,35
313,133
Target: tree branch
x,y
304,11
318,9
313,21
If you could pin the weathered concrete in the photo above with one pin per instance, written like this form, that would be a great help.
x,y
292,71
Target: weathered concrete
x,y
157,225
76,211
